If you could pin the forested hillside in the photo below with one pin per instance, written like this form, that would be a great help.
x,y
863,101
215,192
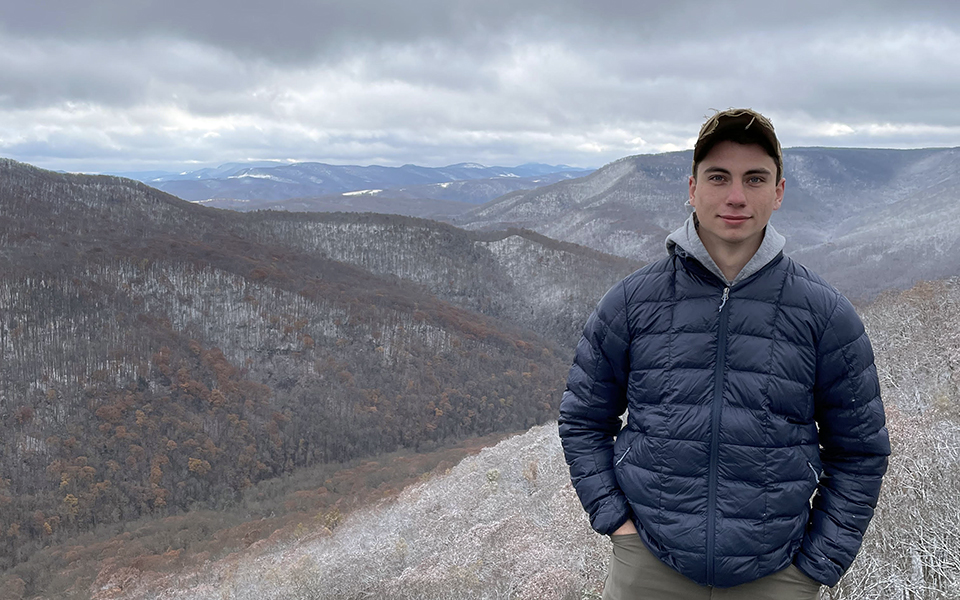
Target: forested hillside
x,y
157,356
507,523
517,276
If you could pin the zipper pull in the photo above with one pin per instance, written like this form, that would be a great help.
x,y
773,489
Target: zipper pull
x,y
726,294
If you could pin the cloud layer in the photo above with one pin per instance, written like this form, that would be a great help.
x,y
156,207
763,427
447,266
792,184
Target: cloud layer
x,y
108,87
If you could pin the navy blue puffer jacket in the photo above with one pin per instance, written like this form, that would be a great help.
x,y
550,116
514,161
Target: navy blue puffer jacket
x,y
743,405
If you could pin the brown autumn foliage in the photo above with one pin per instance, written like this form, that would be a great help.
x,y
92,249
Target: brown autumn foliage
x,y
275,510
158,358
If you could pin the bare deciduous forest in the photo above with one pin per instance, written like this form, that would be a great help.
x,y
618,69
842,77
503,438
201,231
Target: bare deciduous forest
x,y
157,357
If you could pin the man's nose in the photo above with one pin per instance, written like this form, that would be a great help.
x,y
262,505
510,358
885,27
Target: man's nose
x,y
736,196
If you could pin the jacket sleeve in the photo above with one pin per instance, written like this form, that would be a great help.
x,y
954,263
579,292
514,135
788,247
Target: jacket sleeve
x,y
590,410
853,447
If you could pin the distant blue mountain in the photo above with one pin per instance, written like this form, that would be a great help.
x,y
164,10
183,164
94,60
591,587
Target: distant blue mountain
x,y
272,182
224,170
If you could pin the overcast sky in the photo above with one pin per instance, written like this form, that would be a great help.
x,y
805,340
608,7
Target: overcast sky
x,y
120,86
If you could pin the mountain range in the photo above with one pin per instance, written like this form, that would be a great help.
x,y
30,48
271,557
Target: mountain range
x,y
867,220
316,185
158,356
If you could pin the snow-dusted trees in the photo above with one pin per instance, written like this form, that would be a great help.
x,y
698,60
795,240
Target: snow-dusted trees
x,y
912,549
507,524
519,276
156,355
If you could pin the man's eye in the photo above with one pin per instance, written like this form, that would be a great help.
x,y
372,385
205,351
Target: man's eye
x,y
716,177
755,179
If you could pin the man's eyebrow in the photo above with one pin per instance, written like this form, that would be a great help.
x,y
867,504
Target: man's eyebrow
x,y
756,171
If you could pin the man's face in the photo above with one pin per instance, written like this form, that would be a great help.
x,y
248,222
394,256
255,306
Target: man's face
x,y
735,192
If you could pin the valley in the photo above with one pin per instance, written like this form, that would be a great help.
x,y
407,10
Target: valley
x,y
296,393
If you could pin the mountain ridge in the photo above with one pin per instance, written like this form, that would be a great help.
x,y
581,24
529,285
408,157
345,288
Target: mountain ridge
x,y
266,183
874,207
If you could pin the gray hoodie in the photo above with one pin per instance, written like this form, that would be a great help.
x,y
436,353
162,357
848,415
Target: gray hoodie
x,y
688,241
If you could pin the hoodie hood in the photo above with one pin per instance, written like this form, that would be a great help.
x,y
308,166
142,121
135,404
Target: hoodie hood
x,y
686,242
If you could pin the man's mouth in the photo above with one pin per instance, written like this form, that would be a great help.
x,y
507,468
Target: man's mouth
x,y
734,218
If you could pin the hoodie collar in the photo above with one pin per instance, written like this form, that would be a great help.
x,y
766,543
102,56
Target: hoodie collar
x,y
686,242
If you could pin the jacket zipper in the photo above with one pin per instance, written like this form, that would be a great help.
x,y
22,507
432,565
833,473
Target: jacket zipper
x,y
723,301
715,410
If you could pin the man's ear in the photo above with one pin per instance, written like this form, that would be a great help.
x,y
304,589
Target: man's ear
x,y
780,189
692,183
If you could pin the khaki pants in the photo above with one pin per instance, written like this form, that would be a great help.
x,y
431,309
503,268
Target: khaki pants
x,y
636,574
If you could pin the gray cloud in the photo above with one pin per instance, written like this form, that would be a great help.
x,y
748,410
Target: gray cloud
x,y
300,29
107,86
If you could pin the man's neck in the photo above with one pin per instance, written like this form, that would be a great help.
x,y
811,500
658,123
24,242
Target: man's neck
x,y
730,258
731,263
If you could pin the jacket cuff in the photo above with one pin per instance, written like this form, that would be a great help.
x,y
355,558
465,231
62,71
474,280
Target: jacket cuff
x,y
823,569
614,513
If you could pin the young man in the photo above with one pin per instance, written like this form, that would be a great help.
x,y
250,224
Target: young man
x,y
754,445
